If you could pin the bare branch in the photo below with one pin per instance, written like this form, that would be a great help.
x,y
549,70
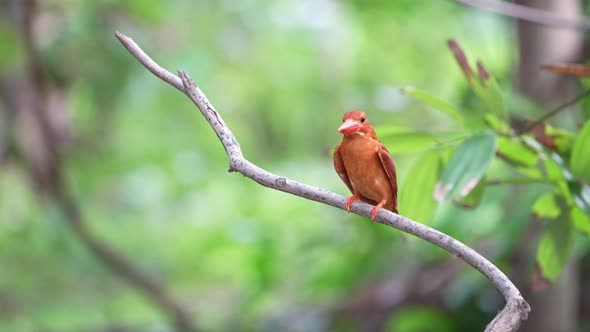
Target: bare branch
x,y
508,319
529,14
147,62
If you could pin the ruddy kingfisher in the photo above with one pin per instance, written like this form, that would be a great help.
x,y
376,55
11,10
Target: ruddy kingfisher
x,y
364,164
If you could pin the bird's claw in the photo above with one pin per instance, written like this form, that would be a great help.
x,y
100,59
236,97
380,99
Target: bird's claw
x,y
350,200
374,214
375,210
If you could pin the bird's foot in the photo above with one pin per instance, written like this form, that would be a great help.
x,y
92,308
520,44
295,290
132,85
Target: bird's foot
x,y
350,200
376,209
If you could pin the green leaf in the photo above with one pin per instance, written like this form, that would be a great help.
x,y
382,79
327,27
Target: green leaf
x,y
495,98
415,197
467,165
515,152
484,85
554,168
573,192
435,102
545,207
581,220
556,171
495,123
563,139
580,161
555,246
489,91
474,197
533,173
580,194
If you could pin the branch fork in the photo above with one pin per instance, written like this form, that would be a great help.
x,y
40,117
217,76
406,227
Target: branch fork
x,y
508,319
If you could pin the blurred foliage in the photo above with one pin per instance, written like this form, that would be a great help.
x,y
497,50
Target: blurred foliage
x,y
421,319
151,177
463,174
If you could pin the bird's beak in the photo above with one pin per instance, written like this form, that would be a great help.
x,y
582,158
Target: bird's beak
x,y
349,126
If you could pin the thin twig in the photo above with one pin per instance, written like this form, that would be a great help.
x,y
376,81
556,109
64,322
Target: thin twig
x,y
508,319
528,14
557,110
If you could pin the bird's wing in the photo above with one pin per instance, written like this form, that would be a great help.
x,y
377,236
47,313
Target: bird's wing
x,y
339,166
389,167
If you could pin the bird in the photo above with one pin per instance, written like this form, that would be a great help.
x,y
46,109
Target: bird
x,y
365,165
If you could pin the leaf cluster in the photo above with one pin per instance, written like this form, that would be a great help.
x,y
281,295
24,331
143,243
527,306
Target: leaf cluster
x,y
455,166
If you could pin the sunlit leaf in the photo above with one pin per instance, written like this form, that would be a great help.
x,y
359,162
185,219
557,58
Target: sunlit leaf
x,y
563,140
415,196
570,190
529,172
489,91
580,161
581,220
553,168
467,165
564,144
555,246
546,208
484,85
516,152
435,102
497,124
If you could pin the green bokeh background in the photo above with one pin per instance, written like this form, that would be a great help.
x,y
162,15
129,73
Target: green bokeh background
x,y
152,180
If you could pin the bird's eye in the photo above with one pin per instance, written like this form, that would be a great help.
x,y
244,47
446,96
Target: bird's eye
x,y
363,119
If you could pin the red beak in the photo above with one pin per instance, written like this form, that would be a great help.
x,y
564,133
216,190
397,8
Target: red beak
x,y
349,126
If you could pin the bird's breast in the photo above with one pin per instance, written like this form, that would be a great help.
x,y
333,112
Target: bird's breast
x,y
365,170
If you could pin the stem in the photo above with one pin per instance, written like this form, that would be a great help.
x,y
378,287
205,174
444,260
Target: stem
x,y
557,110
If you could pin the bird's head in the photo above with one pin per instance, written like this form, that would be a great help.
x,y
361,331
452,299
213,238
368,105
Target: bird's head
x,y
356,122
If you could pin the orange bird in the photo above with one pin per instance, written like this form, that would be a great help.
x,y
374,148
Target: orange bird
x,y
365,165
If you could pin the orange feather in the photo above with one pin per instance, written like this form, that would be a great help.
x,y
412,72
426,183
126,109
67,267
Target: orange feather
x,y
365,165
